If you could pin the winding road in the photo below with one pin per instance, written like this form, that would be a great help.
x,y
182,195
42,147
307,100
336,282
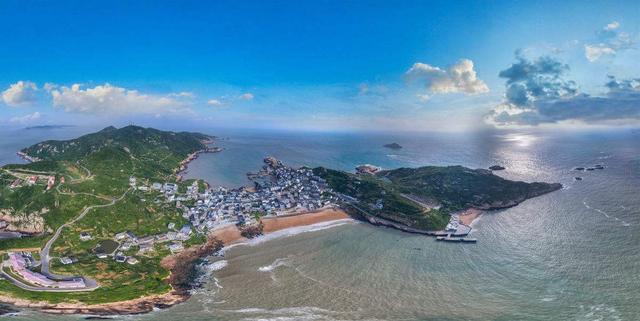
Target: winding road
x,y
44,252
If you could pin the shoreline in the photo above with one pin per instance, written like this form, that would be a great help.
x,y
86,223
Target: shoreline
x,y
230,234
216,240
184,164
469,216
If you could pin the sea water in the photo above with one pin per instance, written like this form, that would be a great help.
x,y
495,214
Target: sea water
x,y
569,255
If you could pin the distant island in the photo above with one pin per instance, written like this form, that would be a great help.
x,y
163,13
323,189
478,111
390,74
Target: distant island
x,y
392,146
496,168
49,126
111,228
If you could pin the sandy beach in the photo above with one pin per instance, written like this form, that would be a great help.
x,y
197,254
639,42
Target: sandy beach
x,y
230,234
468,216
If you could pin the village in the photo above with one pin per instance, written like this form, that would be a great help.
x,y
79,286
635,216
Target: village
x,y
277,190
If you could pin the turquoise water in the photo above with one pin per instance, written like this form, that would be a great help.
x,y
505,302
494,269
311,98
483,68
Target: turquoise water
x,y
570,255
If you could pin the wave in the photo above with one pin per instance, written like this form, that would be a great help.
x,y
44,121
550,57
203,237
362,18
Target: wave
x,y
286,314
277,263
599,312
217,265
291,232
605,214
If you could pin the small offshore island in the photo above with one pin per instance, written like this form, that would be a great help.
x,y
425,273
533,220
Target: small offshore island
x,y
393,146
110,227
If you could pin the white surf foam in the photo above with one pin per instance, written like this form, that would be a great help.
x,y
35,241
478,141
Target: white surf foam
x,y
605,214
277,263
217,265
291,232
286,314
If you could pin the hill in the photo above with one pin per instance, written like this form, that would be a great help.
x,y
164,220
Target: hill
x,y
133,139
424,197
98,184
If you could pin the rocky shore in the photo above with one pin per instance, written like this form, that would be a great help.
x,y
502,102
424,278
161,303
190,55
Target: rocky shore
x,y
183,270
193,156
27,157
136,306
182,267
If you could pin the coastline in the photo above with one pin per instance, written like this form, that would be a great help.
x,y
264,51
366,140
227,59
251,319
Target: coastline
x,y
179,265
184,164
231,235
468,216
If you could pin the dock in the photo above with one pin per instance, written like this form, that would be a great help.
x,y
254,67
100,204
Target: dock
x,y
453,239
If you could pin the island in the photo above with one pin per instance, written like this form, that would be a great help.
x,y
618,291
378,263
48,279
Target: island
x,y
392,146
422,200
496,168
109,226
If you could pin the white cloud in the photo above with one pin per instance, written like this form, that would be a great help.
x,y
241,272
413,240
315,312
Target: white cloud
x,y
26,119
423,97
49,86
111,100
609,41
22,93
612,26
214,102
459,78
246,96
594,52
184,94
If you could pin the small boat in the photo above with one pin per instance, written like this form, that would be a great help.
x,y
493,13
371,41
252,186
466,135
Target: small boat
x,y
577,178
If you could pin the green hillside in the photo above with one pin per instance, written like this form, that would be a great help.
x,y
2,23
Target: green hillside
x,y
424,197
96,169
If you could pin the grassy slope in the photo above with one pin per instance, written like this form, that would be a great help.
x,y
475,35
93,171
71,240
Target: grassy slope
x,y
130,151
454,188
369,190
457,187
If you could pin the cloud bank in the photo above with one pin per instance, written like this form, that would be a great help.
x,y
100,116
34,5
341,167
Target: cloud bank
x,y
26,119
536,93
111,100
458,78
22,93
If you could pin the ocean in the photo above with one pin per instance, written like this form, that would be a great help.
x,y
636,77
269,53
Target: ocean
x,y
570,255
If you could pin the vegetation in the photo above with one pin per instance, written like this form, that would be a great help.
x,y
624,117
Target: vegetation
x,y
424,197
96,169
457,187
382,199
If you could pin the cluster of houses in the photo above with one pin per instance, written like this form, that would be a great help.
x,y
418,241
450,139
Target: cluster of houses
x,y
278,190
33,179
20,264
126,240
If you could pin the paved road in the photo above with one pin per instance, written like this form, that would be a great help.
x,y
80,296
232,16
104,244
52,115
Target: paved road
x,y
27,287
44,252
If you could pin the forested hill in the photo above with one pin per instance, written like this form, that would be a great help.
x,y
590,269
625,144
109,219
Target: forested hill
x,y
424,197
133,139
458,187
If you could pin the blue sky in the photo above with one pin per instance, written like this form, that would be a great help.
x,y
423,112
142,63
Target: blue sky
x,y
317,64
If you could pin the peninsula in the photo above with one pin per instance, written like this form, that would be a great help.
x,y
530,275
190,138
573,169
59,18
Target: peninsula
x,y
111,227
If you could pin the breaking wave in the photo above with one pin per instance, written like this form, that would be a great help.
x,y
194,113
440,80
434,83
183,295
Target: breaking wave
x,y
277,263
605,214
